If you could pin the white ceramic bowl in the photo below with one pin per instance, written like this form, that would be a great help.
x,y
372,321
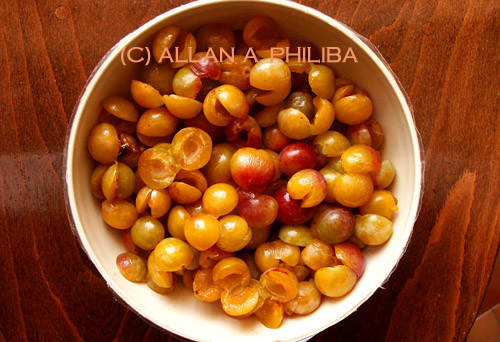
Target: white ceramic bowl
x,y
180,312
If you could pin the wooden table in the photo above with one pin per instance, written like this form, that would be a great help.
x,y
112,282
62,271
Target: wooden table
x,y
446,54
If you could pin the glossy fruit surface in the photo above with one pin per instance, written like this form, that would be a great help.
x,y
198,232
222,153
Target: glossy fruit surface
x,y
384,177
353,109
301,271
121,108
309,186
121,126
274,139
331,144
361,159
182,107
301,101
173,254
294,124
359,134
164,39
218,168
343,88
186,44
145,95
177,218
269,74
131,266
162,279
258,210
202,231
157,122
103,143
276,159
382,203
220,199
322,81
235,233
335,281
373,229
296,157
160,289
318,254
290,210
353,189
119,214
158,201
186,83
351,256
298,235
194,178
335,163
324,116
330,176
188,186
299,67
223,103
184,193
147,232
194,208
334,225
252,168
368,133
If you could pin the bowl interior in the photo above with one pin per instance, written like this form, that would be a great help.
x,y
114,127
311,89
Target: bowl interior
x,y
181,312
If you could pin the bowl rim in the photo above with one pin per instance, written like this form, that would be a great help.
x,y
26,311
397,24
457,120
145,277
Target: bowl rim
x,y
360,41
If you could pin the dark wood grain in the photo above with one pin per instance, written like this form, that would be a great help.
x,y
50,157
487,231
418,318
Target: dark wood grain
x,y
447,56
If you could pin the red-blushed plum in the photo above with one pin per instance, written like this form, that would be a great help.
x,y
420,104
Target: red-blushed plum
x,y
351,256
296,157
252,168
290,210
